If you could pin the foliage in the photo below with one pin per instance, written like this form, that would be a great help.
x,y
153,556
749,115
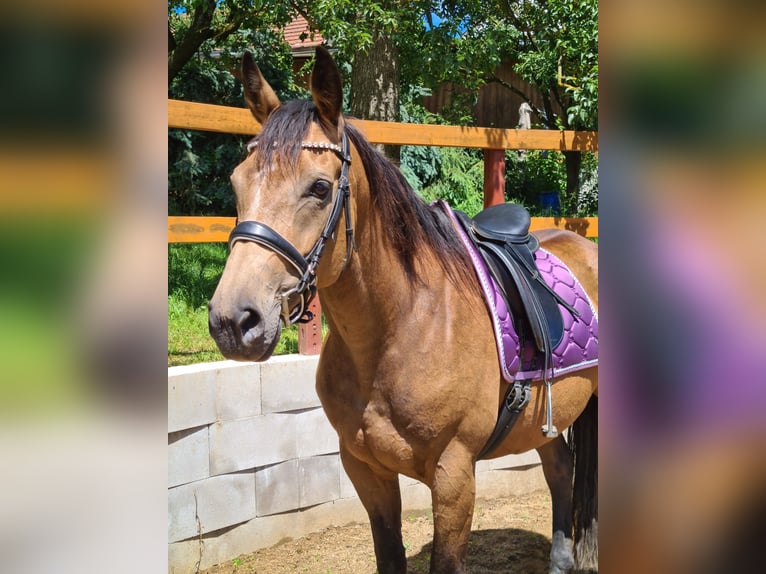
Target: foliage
x,y
529,174
554,44
188,338
461,180
200,163
421,165
532,173
196,27
587,198
189,341
557,51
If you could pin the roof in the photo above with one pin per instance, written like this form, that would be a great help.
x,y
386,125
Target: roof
x,y
295,29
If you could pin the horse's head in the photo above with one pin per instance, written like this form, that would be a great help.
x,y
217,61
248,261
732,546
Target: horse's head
x,y
291,192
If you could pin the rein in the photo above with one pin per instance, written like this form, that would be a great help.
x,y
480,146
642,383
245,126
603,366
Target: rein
x,y
306,266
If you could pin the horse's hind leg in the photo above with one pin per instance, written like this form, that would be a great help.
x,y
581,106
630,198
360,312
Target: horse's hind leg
x,y
453,492
382,500
557,467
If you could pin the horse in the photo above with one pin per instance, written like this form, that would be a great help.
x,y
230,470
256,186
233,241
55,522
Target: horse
x,y
408,373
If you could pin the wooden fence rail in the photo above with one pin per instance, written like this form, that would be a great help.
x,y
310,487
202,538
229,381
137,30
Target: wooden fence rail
x,y
222,119
199,229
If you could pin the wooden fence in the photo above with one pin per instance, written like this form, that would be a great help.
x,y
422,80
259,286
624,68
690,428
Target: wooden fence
x,y
493,141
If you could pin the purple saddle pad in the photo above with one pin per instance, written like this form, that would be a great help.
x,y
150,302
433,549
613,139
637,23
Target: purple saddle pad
x,y
578,348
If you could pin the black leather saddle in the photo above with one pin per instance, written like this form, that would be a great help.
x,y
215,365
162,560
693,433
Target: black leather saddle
x,y
501,234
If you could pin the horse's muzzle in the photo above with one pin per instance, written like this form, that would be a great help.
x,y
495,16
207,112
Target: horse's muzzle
x,y
243,334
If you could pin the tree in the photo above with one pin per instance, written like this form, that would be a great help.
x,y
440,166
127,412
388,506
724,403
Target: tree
x,y
372,36
554,47
391,47
557,50
192,23
199,163
554,44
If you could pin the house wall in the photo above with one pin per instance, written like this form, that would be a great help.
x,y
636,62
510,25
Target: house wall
x,y
497,106
252,460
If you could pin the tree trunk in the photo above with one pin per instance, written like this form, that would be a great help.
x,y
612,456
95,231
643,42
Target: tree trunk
x,y
375,85
181,50
572,161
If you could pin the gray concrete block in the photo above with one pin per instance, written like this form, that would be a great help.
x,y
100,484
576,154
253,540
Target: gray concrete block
x,y
247,443
191,396
510,482
288,383
315,434
183,556
210,504
483,466
277,489
407,481
237,390
415,496
188,456
515,460
258,533
319,479
245,538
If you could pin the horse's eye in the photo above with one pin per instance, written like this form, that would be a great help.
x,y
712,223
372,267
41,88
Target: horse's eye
x,y
320,188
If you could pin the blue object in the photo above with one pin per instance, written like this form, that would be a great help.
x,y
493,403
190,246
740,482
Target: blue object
x,y
550,202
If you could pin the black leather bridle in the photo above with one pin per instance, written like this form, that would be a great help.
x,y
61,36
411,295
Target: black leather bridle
x,y
306,266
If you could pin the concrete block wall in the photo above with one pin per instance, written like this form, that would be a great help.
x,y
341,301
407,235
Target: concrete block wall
x,y
252,460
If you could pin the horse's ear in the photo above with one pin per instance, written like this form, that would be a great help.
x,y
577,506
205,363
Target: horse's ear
x,y
327,93
259,96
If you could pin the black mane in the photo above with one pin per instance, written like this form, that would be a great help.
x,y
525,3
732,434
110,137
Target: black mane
x,y
413,226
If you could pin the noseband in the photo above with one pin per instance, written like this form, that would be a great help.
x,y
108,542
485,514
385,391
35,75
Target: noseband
x,y
306,266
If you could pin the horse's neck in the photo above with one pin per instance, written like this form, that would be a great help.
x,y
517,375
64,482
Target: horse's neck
x,y
371,298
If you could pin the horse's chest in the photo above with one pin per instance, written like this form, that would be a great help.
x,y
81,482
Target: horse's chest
x,y
369,435
379,438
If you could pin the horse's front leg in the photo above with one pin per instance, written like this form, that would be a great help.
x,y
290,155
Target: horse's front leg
x,y
557,467
382,499
453,493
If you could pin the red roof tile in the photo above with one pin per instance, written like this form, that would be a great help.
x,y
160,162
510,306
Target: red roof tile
x,y
298,27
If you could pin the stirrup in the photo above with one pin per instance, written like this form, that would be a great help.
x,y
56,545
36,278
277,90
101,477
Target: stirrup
x,y
549,429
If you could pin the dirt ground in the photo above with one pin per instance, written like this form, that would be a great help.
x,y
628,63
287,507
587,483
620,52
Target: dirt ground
x,y
508,536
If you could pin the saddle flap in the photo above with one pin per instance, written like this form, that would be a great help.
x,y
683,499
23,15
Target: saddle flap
x,y
526,296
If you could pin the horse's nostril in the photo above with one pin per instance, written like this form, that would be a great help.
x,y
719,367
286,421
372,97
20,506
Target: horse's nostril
x,y
248,319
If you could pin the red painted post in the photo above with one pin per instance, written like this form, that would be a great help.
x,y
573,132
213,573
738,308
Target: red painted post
x,y
494,177
310,334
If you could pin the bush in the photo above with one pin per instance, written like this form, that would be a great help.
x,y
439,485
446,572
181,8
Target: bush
x,y
460,181
528,174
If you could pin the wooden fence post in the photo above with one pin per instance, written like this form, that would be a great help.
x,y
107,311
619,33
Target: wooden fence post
x,y
494,177
310,334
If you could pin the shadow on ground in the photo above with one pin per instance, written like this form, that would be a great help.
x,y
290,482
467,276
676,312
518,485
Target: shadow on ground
x,y
498,551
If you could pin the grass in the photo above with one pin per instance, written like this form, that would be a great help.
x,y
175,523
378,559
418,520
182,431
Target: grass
x,y
193,273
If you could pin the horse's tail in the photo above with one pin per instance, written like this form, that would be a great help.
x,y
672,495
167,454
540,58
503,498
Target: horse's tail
x,y
583,442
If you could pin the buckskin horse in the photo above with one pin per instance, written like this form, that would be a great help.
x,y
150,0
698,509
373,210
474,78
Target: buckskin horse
x,y
408,375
